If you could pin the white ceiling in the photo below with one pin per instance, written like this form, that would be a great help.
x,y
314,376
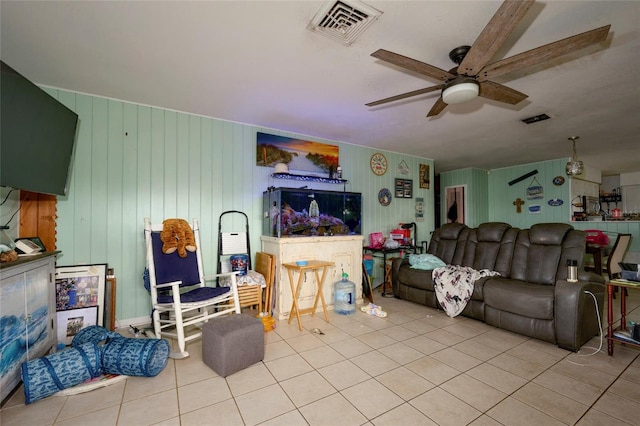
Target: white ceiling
x,y
256,63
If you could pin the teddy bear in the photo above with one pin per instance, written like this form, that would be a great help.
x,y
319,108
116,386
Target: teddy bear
x,y
177,235
8,256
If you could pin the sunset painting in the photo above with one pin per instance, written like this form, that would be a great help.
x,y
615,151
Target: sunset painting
x,y
299,155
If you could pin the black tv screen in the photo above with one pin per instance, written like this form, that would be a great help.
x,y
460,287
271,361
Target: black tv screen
x,y
37,133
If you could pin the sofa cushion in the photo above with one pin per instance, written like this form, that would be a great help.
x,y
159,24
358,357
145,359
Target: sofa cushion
x,y
549,233
448,243
490,246
478,289
520,298
534,261
451,231
415,278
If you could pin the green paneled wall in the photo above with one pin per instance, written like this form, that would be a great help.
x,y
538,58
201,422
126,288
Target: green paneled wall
x,y
475,181
135,161
490,198
502,195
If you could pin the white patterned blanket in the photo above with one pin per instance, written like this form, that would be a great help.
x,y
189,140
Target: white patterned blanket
x,y
454,286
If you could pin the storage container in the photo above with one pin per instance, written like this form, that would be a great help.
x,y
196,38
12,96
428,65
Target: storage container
x,y
239,263
344,296
290,212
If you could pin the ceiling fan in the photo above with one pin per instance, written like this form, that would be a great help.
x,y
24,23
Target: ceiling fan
x,y
472,76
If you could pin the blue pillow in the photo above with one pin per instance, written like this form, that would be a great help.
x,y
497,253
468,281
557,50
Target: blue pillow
x,y
425,261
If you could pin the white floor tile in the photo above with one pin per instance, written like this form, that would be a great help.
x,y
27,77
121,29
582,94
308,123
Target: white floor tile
x,y
416,366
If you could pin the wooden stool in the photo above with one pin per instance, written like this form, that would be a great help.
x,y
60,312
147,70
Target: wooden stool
x,y
387,284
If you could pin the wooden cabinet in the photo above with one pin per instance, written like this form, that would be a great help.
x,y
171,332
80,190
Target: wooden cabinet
x,y
344,251
27,319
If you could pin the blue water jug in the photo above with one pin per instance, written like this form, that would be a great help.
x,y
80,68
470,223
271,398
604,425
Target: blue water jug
x,y
345,296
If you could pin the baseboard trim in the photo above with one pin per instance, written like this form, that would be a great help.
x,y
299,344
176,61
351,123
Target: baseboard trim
x,y
140,322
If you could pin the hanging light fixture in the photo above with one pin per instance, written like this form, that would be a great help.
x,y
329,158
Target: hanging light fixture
x,y
462,89
574,167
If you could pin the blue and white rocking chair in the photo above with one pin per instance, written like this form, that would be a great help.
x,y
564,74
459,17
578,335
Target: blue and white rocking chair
x,y
180,299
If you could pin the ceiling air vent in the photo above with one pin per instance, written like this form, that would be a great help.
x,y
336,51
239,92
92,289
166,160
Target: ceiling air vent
x,y
535,119
344,20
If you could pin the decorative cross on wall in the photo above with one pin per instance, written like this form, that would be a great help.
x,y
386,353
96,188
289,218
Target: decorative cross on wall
x,y
518,203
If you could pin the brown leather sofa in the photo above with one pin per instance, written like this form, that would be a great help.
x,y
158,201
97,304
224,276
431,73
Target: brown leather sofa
x,y
531,295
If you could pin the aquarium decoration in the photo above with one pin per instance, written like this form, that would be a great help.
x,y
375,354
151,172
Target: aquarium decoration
x,y
309,157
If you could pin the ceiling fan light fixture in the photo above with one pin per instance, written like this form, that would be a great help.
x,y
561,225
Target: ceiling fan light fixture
x,y
574,167
458,93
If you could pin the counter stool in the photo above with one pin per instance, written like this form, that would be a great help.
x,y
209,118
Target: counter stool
x,y
232,343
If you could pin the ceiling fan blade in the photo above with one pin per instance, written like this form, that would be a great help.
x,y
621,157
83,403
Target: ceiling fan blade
x,y
500,93
413,65
544,53
437,108
493,36
405,95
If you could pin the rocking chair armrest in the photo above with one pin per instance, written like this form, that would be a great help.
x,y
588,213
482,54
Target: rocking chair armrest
x,y
171,284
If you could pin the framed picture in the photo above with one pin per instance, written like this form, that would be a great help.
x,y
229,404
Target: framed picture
x,y
72,321
312,158
37,241
424,176
404,188
81,287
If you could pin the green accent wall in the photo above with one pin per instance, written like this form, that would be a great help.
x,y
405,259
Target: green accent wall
x,y
490,199
476,188
502,195
134,161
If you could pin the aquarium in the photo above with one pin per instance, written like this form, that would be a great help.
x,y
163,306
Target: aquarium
x,y
291,212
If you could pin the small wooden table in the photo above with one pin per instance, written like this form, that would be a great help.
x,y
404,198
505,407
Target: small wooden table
x,y
611,285
315,266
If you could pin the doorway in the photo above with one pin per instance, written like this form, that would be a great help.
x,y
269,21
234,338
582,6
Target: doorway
x,y
455,204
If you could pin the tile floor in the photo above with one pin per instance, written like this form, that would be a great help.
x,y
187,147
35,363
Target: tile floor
x,y
414,367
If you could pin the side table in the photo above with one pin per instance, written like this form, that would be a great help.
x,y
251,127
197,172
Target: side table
x,y
611,286
382,253
315,266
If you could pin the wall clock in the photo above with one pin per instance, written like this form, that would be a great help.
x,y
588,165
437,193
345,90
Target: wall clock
x,y
378,164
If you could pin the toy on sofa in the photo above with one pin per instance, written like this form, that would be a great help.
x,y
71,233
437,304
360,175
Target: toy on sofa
x,y
177,235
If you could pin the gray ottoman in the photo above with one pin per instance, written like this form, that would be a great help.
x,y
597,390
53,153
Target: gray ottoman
x,y
232,343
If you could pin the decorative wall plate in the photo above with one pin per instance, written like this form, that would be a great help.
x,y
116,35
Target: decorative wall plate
x,y
558,180
384,197
378,164
555,202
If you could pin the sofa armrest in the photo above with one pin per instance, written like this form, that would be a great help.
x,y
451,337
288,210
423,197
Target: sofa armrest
x,y
576,320
590,276
395,268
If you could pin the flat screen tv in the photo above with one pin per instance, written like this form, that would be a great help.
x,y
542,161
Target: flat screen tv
x,y
37,136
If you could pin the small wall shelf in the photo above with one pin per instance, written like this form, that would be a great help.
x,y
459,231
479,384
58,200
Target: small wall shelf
x,y
305,178
616,198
